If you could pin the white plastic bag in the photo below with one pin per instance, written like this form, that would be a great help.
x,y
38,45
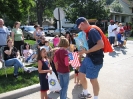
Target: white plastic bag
x,y
53,82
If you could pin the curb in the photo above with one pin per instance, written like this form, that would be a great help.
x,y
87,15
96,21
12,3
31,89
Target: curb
x,y
24,91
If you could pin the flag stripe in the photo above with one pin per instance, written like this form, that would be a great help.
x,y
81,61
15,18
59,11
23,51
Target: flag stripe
x,y
75,62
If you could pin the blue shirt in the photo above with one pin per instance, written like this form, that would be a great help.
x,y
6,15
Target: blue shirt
x,y
4,32
97,56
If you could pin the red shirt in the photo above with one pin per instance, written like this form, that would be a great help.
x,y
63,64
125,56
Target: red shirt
x,y
127,27
60,57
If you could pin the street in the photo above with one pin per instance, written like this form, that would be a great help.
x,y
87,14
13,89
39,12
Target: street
x,y
115,78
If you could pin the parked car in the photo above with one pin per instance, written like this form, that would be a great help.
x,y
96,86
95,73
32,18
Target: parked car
x,y
28,31
57,32
49,30
73,29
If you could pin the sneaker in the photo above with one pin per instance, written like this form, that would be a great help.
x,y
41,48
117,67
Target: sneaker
x,y
83,96
27,70
15,76
30,61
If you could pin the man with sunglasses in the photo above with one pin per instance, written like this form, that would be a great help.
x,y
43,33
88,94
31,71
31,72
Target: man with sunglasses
x,y
93,61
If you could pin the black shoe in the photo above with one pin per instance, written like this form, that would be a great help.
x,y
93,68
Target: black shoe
x,y
115,45
16,76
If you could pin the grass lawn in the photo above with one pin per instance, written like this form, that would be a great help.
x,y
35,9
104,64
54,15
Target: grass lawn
x,y
31,42
23,80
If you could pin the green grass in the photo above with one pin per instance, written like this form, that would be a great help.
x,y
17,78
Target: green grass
x,y
23,80
31,42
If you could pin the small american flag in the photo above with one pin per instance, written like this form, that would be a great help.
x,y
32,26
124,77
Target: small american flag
x,y
75,62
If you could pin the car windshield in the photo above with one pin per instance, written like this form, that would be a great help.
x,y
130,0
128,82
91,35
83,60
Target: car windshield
x,y
30,28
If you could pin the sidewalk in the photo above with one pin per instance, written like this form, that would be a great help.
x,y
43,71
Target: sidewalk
x,y
115,78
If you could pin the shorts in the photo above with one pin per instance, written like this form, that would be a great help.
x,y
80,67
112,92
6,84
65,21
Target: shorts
x,y
88,68
120,42
112,40
76,72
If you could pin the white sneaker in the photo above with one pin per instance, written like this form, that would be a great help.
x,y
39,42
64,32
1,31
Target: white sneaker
x,y
30,61
26,70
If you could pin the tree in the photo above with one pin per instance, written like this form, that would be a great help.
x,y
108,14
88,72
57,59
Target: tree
x,y
116,6
87,8
15,10
46,7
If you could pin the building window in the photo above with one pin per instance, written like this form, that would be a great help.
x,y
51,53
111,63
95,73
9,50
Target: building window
x,y
123,19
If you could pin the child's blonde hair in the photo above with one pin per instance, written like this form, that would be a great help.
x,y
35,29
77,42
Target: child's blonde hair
x,y
63,43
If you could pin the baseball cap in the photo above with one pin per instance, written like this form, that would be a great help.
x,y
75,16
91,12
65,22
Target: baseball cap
x,y
79,20
111,21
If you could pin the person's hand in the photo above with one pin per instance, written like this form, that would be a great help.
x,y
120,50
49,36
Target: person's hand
x,y
11,47
50,71
82,52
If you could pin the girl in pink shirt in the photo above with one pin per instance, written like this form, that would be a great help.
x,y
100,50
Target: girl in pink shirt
x,y
56,41
28,53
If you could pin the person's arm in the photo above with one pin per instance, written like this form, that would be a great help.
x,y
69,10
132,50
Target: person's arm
x,y
12,35
8,52
18,54
56,62
22,35
40,68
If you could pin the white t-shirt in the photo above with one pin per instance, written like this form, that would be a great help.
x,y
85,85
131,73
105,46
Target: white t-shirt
x,y
47,48
122,38
110,31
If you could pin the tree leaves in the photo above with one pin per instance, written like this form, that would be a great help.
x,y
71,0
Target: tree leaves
x,y
90,9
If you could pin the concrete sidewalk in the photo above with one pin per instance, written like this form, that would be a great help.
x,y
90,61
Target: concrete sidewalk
x,y
115,78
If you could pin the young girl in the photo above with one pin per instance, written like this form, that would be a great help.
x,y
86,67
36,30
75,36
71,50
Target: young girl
x,y
43,69
28,53
61,61
56,41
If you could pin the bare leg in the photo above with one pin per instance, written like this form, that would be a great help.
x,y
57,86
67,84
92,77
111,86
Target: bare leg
x,y
75,78
95,85
42,94
45,95
83,80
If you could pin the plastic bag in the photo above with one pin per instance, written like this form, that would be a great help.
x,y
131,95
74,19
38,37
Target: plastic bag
x,y
81,42
53,82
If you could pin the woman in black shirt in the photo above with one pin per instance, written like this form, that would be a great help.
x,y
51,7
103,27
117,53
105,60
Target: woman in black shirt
x,y
11,55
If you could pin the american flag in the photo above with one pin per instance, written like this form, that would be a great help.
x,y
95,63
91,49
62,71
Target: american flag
x,y
75,62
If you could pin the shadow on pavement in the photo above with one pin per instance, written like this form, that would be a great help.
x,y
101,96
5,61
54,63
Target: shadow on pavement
x,y
76,91
54,95
114,54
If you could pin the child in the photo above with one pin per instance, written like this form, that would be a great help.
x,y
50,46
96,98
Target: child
x,y
28,53
56,41
39,34
121,38
47,47
62,61
43,69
